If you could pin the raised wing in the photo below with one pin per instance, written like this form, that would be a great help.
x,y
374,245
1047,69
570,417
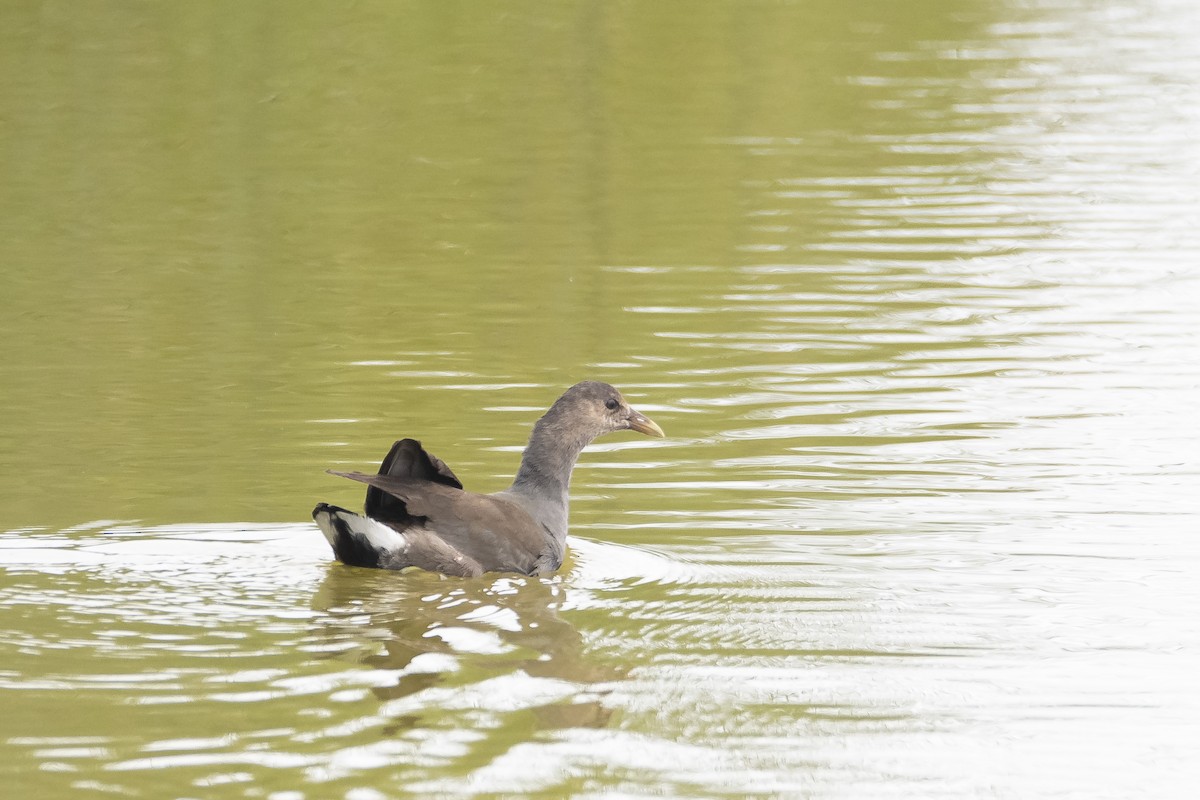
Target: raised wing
x,y
406,459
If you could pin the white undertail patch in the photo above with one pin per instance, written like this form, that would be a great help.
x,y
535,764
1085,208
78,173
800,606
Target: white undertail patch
x,y
380,536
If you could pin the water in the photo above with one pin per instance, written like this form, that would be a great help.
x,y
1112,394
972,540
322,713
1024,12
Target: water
x,y
912,291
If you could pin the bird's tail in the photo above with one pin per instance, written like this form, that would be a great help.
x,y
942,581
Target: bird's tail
x,y
360,541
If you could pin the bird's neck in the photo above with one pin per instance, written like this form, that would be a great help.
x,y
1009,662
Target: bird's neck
x,y
548,460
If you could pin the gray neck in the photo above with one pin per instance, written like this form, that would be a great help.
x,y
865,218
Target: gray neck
x,y
545,474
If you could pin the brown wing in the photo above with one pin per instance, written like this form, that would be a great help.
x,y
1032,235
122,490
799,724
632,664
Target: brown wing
x,y
496,533
406,459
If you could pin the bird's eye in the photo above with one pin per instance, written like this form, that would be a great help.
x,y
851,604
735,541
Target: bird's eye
x,y
611,404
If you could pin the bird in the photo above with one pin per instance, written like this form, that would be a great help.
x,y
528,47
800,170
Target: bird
x,y
417,513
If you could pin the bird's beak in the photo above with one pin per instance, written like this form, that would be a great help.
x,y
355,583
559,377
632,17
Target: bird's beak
x,y
643,424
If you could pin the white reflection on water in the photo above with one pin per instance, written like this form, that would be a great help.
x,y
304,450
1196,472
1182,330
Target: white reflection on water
x,y
976,570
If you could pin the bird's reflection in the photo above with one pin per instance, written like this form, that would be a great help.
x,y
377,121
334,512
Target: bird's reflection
x,y
484,627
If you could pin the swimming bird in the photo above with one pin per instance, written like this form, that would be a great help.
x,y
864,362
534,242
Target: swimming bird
x,y
417,513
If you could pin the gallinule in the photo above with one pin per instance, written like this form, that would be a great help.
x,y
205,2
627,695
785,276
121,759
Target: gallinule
x,y
417,513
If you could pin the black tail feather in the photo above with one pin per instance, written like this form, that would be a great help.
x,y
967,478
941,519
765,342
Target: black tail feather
x,y
349,546
406,459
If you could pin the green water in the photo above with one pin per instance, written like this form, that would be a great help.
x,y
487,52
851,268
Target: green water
x,y
911,288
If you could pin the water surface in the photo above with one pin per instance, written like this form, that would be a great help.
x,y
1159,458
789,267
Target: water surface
x,y
910,289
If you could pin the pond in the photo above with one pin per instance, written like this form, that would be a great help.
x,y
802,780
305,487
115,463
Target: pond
x,y
912,289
